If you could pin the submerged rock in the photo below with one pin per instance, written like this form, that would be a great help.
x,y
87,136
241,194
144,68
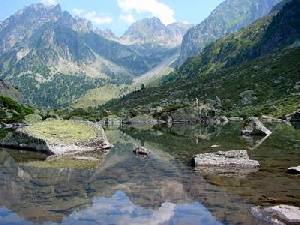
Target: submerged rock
x,y
58,137
278,215
294,170
234,161
253,126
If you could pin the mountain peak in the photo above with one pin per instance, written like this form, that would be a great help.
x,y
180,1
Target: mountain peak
x,y
230,16
153,31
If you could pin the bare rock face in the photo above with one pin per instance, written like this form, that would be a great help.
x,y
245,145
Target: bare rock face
x,y
235,161
253,126
278,215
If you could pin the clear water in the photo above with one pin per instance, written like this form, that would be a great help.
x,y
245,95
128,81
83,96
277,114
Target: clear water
x,y
161,189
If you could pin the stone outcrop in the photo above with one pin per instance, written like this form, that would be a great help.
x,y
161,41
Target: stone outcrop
x,y
253,126
278,215
234,161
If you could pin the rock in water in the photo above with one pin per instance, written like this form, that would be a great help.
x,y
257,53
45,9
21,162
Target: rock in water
x,y
58,137
253,126
235,161
294,170
141,151
278,215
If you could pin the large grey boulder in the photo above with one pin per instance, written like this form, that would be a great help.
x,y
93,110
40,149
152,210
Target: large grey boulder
x,y
277,215
234,161
253,126
64,140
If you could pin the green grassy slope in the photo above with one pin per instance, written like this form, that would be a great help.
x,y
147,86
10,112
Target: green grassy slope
x,y
272,79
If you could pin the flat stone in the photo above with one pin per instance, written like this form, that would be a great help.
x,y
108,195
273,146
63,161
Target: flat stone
x,y
278,215
294,170
234,161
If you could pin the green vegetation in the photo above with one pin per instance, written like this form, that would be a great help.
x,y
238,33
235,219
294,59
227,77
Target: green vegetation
x,y
62,131
99,96
12,111
272,80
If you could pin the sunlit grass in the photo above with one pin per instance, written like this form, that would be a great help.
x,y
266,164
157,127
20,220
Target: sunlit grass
x,y
62,131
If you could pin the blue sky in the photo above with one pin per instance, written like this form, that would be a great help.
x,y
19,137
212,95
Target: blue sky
x,y
117,15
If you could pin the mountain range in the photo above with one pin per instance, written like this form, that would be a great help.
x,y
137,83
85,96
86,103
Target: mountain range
x,y
255,71
56,59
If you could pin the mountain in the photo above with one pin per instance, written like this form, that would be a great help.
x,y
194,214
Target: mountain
x,y
54,58
153,31
252,72
9,91
107,34
230,16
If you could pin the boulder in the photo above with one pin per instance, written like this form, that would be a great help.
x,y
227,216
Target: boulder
x,y
294,170
253,126
58,137
141,151
234,161
278,215
224,120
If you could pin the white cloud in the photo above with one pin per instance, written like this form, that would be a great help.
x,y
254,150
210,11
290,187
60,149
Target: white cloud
x,y
49,2
128,18
93,16
156,8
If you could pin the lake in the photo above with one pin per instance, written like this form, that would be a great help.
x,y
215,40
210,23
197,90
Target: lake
x,y
160,189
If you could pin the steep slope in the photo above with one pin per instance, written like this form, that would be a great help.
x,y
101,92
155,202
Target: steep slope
x,y
153,31
255,71
11,108
9,91
279,29
230,16
55,58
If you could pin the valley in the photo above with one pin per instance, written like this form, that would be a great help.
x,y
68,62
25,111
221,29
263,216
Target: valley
x,y
130,114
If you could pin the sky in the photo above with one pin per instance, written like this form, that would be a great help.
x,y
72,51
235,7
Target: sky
x,y
118,15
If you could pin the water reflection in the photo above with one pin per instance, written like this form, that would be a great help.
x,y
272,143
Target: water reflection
x,y
120,210
161,189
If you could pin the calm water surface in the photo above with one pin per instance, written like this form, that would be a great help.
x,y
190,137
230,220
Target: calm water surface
x,y
162,189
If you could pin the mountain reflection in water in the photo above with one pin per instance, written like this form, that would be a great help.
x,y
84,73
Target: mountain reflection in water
x,y
120,210
160,189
